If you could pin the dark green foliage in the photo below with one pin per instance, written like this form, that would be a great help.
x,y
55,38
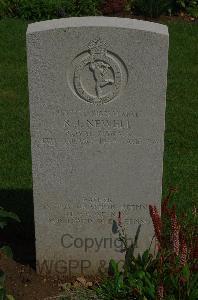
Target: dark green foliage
x,y
156,8
6,216
136,280
152,8
47,9
87,7
185,4
190,6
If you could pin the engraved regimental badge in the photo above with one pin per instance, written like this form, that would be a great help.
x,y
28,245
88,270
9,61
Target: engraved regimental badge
x,y
97,75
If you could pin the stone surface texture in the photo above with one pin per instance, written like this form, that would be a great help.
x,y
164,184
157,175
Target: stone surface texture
x,y
97,89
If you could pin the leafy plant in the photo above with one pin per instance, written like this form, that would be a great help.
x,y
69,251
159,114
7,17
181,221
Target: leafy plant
x,y
88,7
171,274
189,6
136,279
6,216
192,9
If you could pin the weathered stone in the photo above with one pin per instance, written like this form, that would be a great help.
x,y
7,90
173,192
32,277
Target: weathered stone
x,y
97,90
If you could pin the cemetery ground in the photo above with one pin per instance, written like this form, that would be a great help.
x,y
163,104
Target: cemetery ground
x,y
180,157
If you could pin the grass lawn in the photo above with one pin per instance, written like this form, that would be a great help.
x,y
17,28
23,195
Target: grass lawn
x,y
181,140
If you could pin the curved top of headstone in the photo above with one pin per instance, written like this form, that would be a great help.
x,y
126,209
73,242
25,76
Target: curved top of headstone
x,y
98,22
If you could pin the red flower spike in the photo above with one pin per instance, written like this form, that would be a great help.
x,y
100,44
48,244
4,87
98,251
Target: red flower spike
x,y
194,249
182,281
157,224
160,292
175,233
184,250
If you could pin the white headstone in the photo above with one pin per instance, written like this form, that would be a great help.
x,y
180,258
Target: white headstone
x,y
97,89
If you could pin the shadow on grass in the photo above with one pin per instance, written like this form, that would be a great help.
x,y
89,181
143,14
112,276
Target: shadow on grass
x,y
20,236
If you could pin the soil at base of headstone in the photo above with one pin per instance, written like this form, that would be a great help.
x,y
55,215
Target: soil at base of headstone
x,y
25,284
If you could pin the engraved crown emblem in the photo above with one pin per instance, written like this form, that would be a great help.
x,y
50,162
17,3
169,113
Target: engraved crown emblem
x,y
97,75
97,47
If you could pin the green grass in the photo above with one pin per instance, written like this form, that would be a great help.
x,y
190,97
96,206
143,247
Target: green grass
x,y
15,155
181,141
181,136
